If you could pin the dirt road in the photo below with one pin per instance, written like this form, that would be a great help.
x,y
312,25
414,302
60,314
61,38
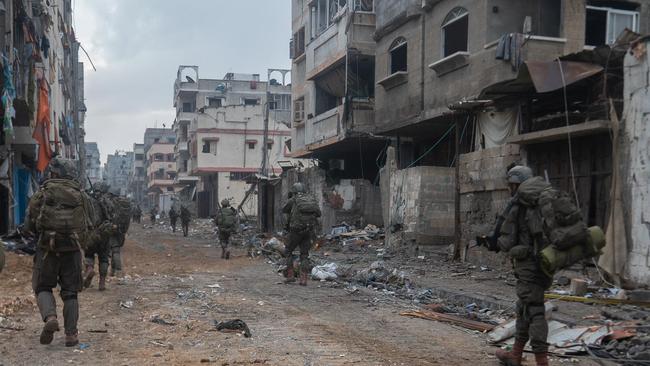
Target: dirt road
x,y
182,282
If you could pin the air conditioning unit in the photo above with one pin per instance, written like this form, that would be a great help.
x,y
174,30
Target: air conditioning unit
x,y
298,110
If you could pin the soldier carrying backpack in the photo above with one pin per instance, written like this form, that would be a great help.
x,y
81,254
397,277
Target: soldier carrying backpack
x,y
122,221
539,219
226,221
98,243
61,216
303,219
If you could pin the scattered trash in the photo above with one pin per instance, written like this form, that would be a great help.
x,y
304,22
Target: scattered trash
x,y
216,285
326,272
7,324
162,320
127,304
83,346
237,325
162,344
98,331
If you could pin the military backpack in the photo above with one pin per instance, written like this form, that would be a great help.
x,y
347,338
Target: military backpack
x,y
122,207
227,219
304,213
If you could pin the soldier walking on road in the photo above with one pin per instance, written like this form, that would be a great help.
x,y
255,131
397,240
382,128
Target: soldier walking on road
x,y
226,221
173,216
304,212
520,237
98,243
121,222
152,214
60,214
137,214
186,217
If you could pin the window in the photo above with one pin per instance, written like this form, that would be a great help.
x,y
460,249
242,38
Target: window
x,y
239,175
398,56
455,30
170,189
269,145
251,145
364,5
188,107
299,110
251,101
280,102
298,44
604,25
158,157
206,147
215,102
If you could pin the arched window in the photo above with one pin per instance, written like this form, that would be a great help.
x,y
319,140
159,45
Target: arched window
x,y
398,55
455,32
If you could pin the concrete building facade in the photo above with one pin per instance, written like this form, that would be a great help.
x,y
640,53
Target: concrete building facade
x,y
159,167
138,175
43,103
226,128
93,162
118,170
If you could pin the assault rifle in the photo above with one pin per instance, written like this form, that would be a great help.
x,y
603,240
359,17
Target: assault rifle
x,y
490,241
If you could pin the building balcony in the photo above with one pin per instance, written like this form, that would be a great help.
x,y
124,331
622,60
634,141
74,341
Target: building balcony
x,y
160,183
184,118
329,48
184,88
185,178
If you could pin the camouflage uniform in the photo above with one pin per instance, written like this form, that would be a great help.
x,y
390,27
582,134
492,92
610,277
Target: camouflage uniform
x,y
58,258
121,224
137,214
521,238
99,239
298,237
185,220
152,215
226,220
173,216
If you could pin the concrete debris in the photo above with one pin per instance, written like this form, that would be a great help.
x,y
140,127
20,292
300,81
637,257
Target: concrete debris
x,y
6,323
274,245
162,319
448,318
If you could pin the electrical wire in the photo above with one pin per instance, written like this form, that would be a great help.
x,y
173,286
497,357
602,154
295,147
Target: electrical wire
x,y
462,134
432,147
566,116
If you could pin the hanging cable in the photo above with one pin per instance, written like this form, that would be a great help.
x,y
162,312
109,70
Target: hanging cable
x,y
462,134
566,116
451,128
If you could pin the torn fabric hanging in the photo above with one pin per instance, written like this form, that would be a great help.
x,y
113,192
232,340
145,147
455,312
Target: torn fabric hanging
x,y
43,126
495,127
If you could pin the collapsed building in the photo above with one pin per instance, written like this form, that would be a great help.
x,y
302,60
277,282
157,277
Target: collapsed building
x,y
463,89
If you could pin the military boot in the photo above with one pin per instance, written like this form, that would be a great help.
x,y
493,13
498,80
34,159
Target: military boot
x,y
303,278
102,283
88,276
512,358
71,339
291,276
51,326
541,359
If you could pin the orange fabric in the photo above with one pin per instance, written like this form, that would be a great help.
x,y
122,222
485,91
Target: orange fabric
x,y
43,126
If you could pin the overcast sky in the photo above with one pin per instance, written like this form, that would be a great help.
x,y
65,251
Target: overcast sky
x,y
137,46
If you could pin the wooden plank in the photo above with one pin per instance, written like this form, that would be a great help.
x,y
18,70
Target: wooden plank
x,y
452,319
590,300
559,133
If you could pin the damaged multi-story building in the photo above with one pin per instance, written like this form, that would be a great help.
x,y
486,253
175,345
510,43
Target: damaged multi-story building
x,y
93,163
118,170
43,101
462,90
228,131
138,175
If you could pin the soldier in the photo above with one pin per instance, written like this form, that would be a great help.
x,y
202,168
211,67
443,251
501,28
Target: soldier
x,y
137,214
186,216
98,243
152,214
303,213
121,220
520,237
173,216
226,221
60,214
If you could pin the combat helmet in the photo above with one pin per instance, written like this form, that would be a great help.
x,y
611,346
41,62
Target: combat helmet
x,y
298,188
63,168
519,174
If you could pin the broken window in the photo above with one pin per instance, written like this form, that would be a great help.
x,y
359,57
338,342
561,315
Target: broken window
x,y
269,145
251,145
251,101
206,147
298,44
605,24
170,189
239,175
215,102
455,29
324,100
188,107
398,56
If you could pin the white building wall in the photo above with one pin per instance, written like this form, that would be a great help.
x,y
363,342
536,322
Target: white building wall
x,y
636,135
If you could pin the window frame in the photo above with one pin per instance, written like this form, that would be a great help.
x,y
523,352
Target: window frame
x,y
635,19
464,13
396,45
